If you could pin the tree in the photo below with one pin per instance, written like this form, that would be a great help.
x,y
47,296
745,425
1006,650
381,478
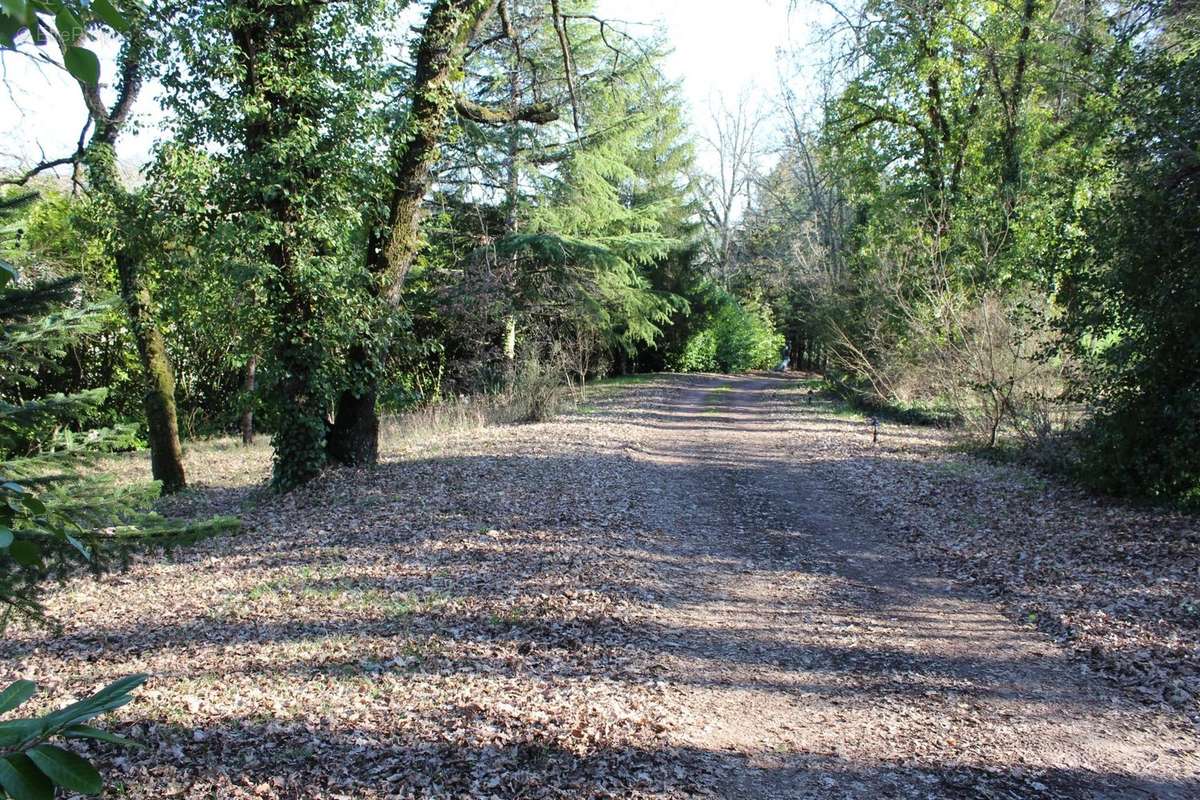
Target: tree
x,y
116,214
394,239
283,106
1130,287
735,148
66,21
552,237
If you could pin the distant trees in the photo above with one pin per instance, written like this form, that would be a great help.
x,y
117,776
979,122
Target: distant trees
x,y
991,215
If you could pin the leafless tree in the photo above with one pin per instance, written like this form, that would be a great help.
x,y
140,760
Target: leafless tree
x,y
735,147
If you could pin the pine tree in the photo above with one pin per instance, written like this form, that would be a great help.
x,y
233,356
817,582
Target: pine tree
x,y
578,216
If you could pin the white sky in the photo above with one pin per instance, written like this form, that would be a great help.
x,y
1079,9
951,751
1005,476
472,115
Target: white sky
x,y
722,48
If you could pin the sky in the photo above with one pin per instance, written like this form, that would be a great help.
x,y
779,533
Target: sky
x,y
721,49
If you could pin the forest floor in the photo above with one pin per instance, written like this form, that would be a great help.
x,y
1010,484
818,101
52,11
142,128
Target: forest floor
x,y
695,586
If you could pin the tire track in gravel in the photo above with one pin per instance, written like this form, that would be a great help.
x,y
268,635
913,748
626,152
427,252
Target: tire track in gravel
x,y
805,656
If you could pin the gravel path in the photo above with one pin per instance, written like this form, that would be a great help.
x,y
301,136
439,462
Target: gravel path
x,y
686,589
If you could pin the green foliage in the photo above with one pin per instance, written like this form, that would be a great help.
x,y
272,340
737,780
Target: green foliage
x,y
32,767
699,353
51,513
997,214
69,19
52,242
1132,288
738,337
588,229
277,116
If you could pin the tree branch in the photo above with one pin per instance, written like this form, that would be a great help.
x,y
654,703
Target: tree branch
x,y
537,113
564,44
31,173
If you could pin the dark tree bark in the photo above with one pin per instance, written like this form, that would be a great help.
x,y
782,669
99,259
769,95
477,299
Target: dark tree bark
x,y
391,249
354,438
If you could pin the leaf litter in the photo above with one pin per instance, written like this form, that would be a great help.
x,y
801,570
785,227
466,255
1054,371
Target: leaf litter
x,y
515,611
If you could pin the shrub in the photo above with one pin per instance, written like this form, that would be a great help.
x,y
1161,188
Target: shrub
x,y
538,387
32,768
700,353
740,336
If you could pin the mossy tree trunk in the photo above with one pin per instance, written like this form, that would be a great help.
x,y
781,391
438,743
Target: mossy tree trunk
x,y
391,250
158,398
124,223
354,437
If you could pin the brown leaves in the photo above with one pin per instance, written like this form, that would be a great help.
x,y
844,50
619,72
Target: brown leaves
x,y
1116,583
455,623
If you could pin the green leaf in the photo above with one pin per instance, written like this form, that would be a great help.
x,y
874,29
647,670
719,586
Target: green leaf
x,y
111,15
88,732
82,64
9,28
23,781
26,552
115,695
15,731
16,693
66,769
78,545
6,538
18,9
70,27
33,504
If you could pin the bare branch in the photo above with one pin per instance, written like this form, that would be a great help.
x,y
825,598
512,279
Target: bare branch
x,y
43,166
564,43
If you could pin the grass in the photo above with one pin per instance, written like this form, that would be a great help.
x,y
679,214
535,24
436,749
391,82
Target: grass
x,y
604,388
713,399
623,380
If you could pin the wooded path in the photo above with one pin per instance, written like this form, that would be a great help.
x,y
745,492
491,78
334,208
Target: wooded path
x,y
830,662
685,588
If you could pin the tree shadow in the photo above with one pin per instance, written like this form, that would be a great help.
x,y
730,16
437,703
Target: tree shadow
x,y
503,566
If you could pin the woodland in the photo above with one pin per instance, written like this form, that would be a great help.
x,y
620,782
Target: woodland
x,y
346,443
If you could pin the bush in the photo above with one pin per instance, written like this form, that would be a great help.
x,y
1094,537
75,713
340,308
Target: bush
x,y
538,387
1131,295
700,353
740,336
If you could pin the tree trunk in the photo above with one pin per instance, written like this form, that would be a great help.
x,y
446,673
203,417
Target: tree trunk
x,y
354,438
166,453
247,422
300,427
510,340
99,163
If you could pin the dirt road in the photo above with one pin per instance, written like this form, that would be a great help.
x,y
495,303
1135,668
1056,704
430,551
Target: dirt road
x,y
680,590
821,661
